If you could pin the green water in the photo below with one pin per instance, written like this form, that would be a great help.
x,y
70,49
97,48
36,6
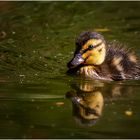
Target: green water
x,y
36,42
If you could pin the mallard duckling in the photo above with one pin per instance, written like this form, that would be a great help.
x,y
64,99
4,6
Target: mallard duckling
x,y
97,59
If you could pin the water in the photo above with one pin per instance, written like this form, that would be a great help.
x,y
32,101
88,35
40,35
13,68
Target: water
x,y
38,99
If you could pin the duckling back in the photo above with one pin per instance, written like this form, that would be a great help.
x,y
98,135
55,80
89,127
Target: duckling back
x,y
119,64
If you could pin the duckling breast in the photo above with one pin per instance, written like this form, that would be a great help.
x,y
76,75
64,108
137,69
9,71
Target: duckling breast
x,y
92,73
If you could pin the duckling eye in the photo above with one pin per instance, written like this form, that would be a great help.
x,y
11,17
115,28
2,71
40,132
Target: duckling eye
x,y
90,47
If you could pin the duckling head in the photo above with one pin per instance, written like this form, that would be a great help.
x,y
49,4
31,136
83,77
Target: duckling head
x,y
90,50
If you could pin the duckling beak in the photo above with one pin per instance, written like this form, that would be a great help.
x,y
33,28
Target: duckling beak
x,y
77,60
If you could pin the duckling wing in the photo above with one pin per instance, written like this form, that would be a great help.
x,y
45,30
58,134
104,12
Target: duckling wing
x,y
122,64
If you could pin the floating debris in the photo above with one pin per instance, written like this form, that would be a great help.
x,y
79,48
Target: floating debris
x,y
59,103
101,30
128,113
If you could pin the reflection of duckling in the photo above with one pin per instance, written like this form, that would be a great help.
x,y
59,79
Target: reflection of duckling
x,y
89,96
96,59
87,105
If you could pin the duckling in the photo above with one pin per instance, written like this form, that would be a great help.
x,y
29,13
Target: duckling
x,y
96,59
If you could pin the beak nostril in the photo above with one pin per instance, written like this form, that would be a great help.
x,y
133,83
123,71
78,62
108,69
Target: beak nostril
x,y
77,59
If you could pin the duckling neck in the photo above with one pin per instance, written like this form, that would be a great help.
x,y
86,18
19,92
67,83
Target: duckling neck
x,y
91,71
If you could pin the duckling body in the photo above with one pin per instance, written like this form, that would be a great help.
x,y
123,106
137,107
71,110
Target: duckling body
x,y
96,59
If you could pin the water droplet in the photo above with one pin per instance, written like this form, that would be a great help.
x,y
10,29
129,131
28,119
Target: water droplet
x,y
59,54
32,100
36,74
20,56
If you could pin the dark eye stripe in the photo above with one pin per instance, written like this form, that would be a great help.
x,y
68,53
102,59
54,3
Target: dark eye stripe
x,y
98,44
91,47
